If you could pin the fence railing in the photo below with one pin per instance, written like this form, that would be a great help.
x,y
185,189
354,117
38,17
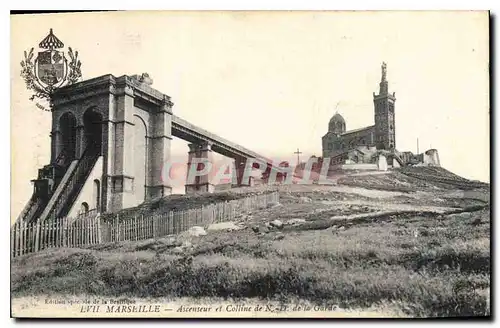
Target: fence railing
x,y
90,230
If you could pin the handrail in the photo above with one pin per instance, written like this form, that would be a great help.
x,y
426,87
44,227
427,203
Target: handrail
x,y
34,201
29,209
26,208
399,159
34,208
61,156
84,165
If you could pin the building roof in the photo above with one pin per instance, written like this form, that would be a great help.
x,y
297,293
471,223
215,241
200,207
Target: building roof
x,y
358,130
337,118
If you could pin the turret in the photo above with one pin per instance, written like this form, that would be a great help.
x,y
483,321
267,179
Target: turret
x,y
337,124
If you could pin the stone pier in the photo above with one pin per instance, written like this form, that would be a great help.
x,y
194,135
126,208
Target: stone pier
x,y
200,165
239,165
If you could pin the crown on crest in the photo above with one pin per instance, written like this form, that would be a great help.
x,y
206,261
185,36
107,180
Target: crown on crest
x,y
51,42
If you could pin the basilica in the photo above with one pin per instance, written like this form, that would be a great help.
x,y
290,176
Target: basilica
x,y
359,145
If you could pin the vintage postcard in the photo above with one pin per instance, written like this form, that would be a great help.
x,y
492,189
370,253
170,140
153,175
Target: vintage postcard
x,y
250,164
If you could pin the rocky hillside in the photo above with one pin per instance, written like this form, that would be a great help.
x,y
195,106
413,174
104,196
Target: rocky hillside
x,y
413,179
399,243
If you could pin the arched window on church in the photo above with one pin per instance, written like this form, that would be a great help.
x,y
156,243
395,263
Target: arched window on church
x,y
84,208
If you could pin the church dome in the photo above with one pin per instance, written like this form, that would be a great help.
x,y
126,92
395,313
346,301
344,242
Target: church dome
x,y
336,124
337,118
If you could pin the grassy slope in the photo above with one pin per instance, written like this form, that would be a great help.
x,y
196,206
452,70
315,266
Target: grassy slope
x,y
423,263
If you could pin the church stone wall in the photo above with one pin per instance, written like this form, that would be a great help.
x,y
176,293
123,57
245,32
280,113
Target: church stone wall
x,y
334,144
361,137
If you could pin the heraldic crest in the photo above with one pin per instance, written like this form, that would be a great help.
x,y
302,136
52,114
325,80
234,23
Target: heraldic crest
x,y
50,69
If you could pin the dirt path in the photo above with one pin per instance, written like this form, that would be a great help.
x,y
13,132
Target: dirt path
x,y
372,193
385,206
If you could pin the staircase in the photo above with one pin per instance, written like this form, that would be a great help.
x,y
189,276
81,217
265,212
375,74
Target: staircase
x,y
58,186
64,197
399,159
48,179
31,210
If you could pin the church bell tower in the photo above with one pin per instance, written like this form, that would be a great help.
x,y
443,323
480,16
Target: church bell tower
x,y
384,102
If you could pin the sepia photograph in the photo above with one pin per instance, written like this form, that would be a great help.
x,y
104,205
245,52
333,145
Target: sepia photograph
x,y
250,164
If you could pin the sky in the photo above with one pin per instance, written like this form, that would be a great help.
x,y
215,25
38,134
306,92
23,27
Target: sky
x,y
270,81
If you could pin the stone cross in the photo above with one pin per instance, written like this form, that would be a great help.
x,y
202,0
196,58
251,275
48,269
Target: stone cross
x,y
298,152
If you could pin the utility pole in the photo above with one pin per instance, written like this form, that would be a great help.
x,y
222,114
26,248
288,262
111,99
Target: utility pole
x,y
298,152
417,145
